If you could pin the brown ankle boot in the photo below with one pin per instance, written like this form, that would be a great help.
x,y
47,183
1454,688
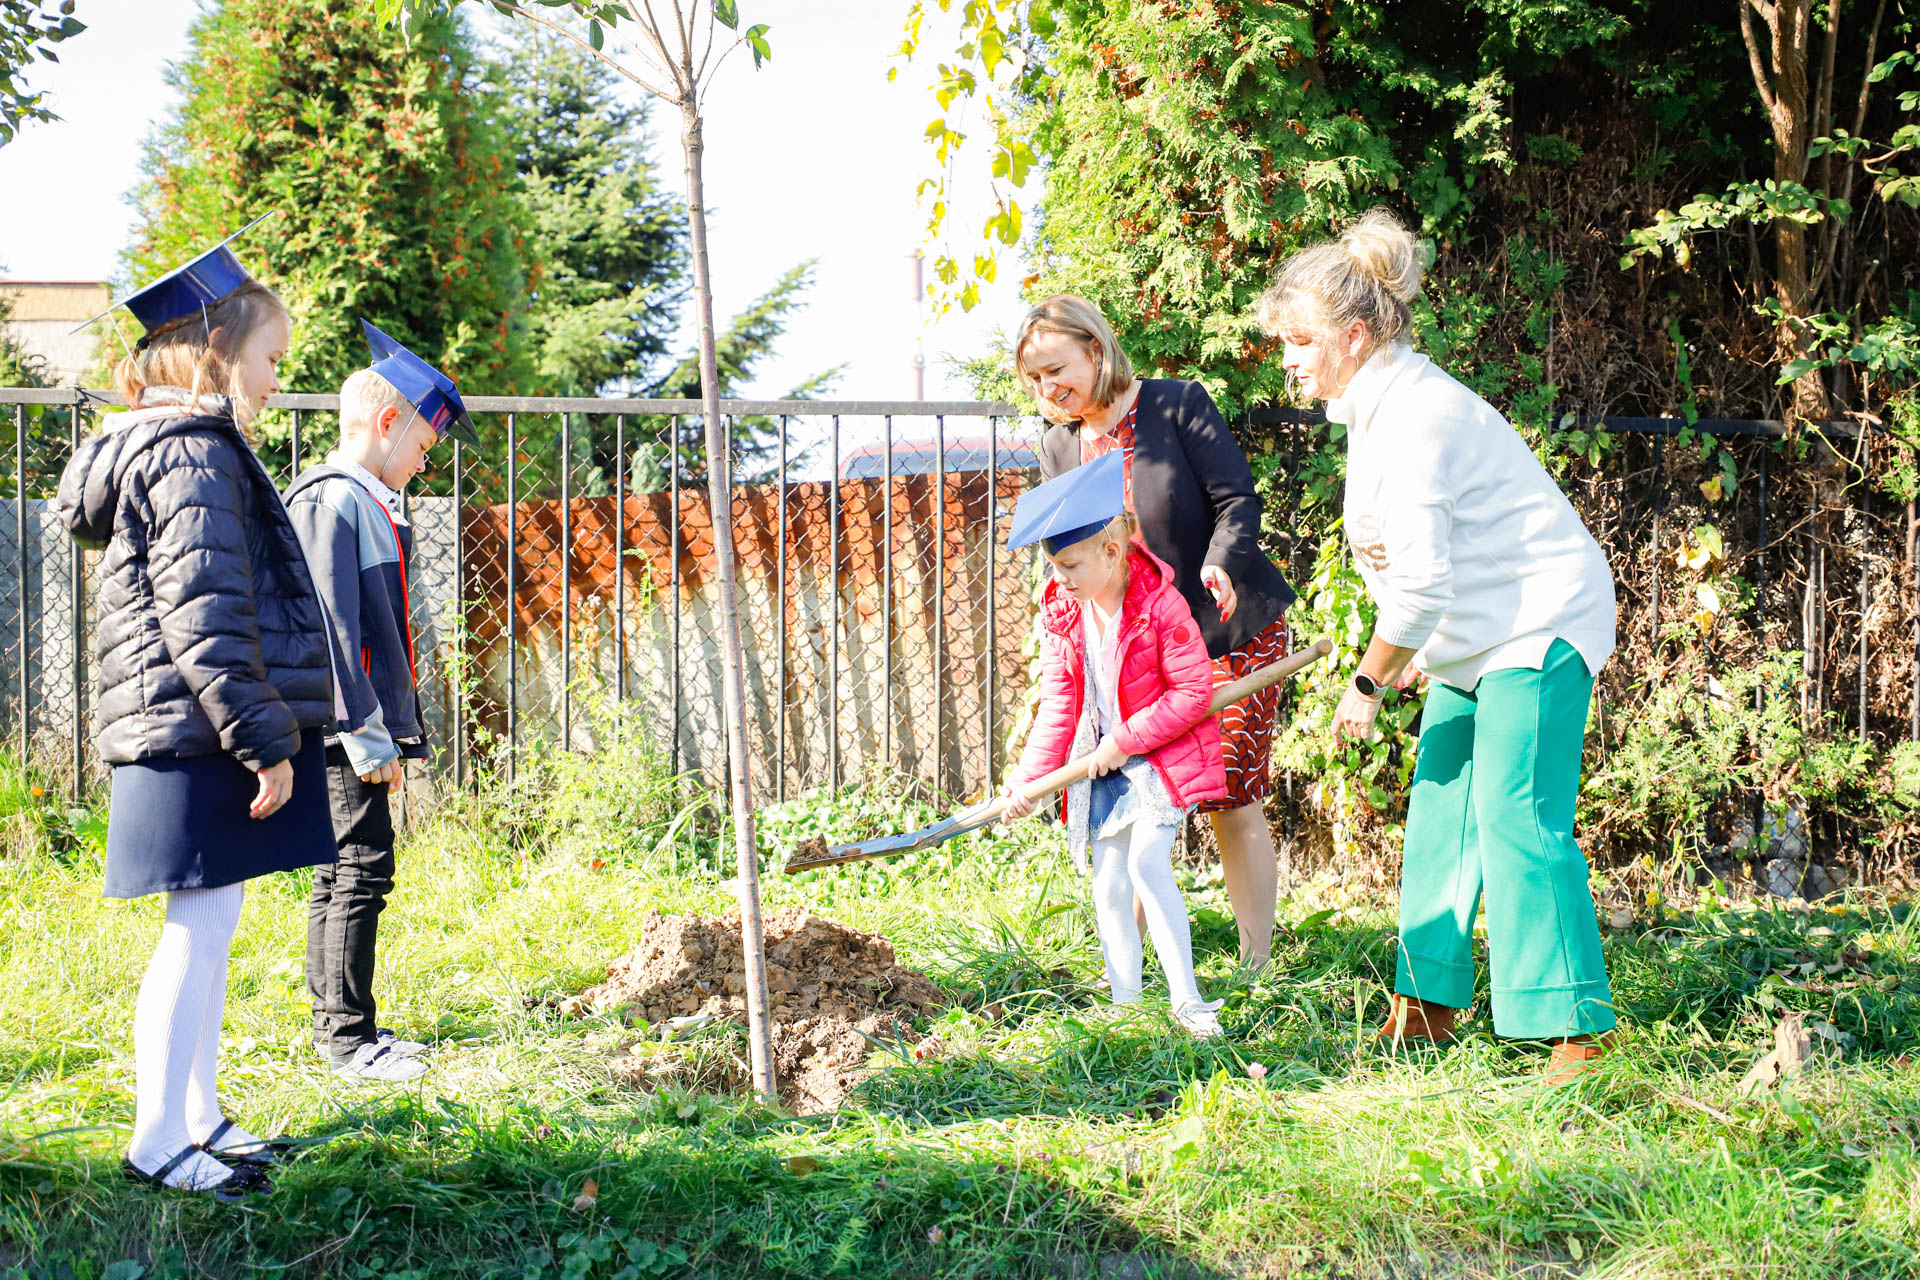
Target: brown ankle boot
x,y
1411,1019
1575,1056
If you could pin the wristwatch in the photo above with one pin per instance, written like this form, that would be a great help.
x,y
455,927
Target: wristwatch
x,y
1365,686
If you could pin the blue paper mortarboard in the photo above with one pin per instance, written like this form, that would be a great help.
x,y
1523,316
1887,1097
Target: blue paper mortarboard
x,y
189,290
1070,508
425,387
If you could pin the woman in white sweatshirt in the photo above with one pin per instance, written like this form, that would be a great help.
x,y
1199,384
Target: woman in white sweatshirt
x,y
1486,581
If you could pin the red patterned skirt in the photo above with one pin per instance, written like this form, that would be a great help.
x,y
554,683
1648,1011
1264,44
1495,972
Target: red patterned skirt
x,y
1246,727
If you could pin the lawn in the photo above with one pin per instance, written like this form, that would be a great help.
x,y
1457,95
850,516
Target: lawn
x,y
1044,1137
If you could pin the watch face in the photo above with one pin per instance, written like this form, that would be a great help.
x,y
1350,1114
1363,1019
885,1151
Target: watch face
x,y
1365,685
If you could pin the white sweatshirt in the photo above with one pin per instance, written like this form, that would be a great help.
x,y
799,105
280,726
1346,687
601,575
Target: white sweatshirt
x,y
1473,554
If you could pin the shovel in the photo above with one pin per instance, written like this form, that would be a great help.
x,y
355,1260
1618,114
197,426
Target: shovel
x,y
816,853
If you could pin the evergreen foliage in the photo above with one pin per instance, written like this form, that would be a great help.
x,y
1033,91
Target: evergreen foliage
x,y
606,295
394,183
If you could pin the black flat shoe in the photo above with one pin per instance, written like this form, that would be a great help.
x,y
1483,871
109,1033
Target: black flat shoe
x,y
268,1151
245,1180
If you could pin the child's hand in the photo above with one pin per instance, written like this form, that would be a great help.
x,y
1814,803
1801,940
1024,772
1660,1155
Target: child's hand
x,y
389,773
1106,758
1018,806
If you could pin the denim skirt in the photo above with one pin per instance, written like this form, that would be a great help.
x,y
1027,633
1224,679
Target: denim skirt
x,y
183,824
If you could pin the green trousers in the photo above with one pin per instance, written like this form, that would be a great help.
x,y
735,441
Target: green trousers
x,y
1491,813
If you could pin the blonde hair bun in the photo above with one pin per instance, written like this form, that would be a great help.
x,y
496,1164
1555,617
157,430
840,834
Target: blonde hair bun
x,y
1370,273
1383,248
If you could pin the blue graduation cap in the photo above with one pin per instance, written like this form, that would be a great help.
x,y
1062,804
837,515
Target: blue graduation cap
x,y
1071,508
189,290
425,387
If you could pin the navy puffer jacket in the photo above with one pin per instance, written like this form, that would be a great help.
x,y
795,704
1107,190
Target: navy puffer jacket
x,y
210,636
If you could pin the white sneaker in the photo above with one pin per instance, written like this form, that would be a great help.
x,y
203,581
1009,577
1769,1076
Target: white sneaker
x,y
400,1048
376,1062
1200,1018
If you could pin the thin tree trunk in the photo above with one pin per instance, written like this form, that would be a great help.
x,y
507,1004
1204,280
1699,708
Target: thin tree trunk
x,y
1784,92
720,510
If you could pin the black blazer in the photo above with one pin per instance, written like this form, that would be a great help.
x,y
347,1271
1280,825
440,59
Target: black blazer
x,y
1194,495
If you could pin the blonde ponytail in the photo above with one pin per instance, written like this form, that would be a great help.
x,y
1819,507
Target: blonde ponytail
x,y
1371,273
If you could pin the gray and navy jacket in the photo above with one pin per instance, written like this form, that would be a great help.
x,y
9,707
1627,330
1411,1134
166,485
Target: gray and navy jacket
x,y
358,554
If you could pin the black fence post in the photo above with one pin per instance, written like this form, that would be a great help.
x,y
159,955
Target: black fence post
x,y
566,582
780,624
620,557
833,626
77,586
513,584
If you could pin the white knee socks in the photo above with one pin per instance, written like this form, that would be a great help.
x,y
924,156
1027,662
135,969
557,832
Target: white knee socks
x,y
176,1035
1139,862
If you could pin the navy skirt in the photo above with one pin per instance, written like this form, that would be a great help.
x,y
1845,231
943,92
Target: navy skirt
x,y
183,824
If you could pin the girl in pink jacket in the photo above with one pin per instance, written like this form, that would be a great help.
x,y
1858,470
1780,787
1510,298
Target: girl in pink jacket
x,y
1125,677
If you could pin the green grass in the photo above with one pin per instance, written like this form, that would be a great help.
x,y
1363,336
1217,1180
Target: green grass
x,y
1047,1137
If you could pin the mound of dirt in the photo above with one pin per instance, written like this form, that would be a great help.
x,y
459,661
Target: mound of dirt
x,y
827,984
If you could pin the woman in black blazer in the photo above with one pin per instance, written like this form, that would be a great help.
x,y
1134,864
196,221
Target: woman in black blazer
x,y
1189,484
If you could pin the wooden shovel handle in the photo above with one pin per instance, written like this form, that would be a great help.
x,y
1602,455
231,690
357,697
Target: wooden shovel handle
x,y
1225,696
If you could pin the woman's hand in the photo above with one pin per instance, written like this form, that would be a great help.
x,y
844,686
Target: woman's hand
x,y
1216,581
276,788
1106,758
1353,719
1018,806
389,773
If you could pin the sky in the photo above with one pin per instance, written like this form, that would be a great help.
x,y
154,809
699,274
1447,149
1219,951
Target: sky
x,y
814,155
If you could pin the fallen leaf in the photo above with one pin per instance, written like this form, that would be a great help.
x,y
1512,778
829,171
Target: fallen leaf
x,y
1827,1031
1792,1046
801,1166
1620,918
588,1197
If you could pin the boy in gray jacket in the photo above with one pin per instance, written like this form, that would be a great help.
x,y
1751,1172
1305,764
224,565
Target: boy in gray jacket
x,y
347,512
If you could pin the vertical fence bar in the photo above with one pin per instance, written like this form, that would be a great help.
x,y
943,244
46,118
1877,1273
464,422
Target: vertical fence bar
x,y
77,587
1913,558
780,623
940,603
457,713
20,538
293,446
673,490
513,584
1758,804
886,604
620,558
566,582
993,598
833,632
1866,564
1659,499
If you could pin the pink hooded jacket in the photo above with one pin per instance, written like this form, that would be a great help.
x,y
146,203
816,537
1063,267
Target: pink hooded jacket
x,y
1165,685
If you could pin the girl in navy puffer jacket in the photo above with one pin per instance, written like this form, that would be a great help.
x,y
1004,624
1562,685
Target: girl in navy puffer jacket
x,y
214,689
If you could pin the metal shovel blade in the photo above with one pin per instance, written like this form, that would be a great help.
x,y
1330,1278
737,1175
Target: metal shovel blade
x,y
881,846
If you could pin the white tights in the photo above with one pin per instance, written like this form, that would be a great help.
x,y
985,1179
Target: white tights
x,y
176,1037
1138,863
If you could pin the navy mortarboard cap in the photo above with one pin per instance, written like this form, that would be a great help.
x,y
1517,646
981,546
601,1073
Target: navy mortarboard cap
x,y
424,387
189,290
1071,508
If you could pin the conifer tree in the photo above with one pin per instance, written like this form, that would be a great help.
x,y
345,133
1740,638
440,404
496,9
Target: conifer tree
x,y
394,184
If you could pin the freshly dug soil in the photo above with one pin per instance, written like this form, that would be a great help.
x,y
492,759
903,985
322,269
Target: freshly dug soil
x,y
827,984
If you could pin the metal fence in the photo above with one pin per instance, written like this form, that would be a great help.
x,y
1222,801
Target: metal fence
x,y
567,565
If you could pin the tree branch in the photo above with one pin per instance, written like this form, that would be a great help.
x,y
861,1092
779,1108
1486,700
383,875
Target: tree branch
x,y
1873,38
555,27
1823,118
642,15
1760,78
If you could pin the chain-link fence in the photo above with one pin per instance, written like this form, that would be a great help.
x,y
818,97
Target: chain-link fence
x,y
568,562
